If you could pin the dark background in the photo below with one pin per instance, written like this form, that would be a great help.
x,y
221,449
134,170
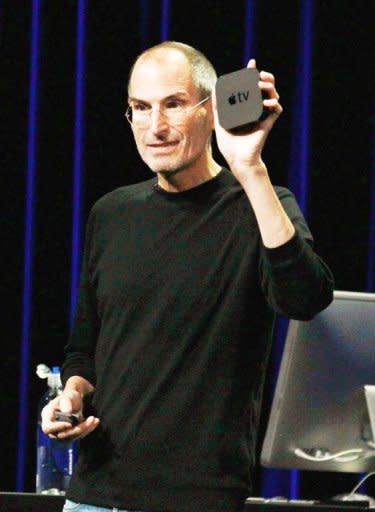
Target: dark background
x,y
341,154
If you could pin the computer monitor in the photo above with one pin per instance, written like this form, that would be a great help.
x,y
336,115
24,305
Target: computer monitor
x,y
322,416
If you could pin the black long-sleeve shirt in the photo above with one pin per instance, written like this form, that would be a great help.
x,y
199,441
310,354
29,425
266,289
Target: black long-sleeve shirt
x,y
174,324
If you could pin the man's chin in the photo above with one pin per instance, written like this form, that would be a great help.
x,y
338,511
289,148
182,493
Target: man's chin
x,y
165,168
168,167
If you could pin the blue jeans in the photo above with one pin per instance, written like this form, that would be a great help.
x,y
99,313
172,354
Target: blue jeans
x,y
72,506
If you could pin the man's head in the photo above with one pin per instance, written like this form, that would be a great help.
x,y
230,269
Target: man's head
x,y
171,121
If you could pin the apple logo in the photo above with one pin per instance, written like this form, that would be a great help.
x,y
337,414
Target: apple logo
x,y
232,99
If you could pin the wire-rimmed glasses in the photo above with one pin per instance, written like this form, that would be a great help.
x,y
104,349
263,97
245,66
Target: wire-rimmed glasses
x,y
139,114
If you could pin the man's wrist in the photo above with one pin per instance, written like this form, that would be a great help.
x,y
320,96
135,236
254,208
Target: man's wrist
x,y
249,171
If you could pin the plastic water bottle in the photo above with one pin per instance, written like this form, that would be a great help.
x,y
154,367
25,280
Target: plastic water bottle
x,y
55,460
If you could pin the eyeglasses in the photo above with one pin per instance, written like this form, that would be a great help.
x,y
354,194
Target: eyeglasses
x,y
139,114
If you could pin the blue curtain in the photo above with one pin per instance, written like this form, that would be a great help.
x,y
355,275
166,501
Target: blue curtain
x,y
30,200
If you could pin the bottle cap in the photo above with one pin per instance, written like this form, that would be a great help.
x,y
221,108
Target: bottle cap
x,y
52,375
43,371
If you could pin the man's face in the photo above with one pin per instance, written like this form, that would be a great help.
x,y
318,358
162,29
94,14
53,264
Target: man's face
x,y
160,82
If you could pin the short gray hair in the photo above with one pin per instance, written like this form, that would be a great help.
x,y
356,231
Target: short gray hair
x,y
203,73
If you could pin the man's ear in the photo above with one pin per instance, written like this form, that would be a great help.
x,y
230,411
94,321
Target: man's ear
x,y
210,111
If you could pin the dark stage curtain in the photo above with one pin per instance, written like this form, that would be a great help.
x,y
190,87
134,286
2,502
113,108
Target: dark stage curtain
x,y
65,143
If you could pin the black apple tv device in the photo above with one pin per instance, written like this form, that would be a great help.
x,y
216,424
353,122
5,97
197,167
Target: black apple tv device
x,y
239,99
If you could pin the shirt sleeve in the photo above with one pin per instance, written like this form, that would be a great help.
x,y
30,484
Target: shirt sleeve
x,y
80,349
296,282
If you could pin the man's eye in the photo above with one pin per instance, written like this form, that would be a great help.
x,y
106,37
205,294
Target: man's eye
x,y
140,107
173,104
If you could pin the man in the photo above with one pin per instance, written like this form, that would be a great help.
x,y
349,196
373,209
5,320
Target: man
x,y
182,277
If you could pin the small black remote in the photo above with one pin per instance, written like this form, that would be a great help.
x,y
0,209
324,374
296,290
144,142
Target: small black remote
x,y
71,418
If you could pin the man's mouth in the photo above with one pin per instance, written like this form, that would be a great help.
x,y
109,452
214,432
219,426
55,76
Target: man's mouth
x,y
162,147
162,144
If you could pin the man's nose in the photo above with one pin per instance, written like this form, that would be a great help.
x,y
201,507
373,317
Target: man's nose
x,y
158,121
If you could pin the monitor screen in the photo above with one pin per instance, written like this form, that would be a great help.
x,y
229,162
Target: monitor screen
x,y
322,413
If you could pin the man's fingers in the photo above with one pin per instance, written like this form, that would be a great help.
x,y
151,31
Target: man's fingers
x,y
252,63
48,411
78,432
267,76
269,88
70,401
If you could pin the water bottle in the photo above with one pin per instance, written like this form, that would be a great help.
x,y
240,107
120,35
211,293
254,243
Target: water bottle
x,y
55,460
